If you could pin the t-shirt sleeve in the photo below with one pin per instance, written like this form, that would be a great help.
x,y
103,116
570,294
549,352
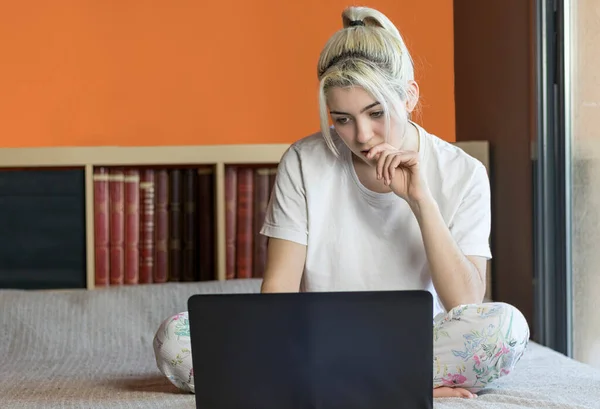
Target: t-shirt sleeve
x,y
471,224
286,215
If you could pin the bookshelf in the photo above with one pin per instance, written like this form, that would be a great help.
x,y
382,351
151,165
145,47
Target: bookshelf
x,y
217,156
88,158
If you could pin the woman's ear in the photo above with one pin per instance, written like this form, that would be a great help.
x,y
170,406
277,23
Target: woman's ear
x,y
413,96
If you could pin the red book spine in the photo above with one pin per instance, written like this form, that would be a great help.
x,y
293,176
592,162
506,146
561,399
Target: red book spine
x,y
101,227
230,220
161,224
244,233
146,226
117,226
132,225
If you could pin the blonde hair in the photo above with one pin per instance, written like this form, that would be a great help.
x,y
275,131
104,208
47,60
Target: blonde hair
x,y
368,52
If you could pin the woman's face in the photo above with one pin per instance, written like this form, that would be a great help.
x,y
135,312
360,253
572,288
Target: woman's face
x,y
360,122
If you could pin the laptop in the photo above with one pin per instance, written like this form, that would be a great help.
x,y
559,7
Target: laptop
x,y
317,350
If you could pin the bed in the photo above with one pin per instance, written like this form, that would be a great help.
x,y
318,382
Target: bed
x,y
93,349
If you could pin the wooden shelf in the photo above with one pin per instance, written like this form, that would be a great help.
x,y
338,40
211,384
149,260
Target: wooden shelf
x,y
151,155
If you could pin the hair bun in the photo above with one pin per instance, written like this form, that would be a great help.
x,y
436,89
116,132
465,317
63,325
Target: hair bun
x,y
364,16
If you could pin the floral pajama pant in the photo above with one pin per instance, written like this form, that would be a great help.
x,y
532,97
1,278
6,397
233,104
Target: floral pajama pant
x,y
473,344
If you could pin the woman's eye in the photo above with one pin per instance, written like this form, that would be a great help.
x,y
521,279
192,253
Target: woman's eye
x,y
342,120
377,114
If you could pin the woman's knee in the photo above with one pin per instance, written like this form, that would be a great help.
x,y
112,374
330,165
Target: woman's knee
x,y
476,344
173,351
514,321
494,318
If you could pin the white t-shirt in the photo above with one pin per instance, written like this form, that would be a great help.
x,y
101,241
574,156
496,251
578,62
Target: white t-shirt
x,y
359,240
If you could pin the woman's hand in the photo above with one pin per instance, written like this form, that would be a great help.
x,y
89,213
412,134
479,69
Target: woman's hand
x,y
400,171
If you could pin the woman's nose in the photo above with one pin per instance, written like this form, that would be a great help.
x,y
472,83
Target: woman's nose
x,y
363,134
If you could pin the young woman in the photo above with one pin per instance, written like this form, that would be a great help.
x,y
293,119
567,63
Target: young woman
x,y
375,202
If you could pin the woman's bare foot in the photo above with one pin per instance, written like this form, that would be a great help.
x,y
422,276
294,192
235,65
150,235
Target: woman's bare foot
x,y
447,392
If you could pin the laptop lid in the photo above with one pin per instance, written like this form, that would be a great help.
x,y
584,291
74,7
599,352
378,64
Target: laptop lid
x,y
312,350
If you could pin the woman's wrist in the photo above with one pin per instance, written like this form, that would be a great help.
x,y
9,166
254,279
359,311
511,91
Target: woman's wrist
x,y
423,206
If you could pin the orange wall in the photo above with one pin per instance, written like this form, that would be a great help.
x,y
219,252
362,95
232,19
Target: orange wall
x,y
85,73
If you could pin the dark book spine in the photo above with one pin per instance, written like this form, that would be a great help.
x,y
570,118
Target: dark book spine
x,y
206,224
189,267
272,178
161,225
261,199
175,225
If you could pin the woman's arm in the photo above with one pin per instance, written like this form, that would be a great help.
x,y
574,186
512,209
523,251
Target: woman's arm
x,y
285,264
458,279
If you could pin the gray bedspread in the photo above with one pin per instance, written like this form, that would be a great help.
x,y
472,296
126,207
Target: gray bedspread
x,y
93,349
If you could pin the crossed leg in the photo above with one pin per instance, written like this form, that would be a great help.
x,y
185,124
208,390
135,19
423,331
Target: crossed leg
x,y
474,345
